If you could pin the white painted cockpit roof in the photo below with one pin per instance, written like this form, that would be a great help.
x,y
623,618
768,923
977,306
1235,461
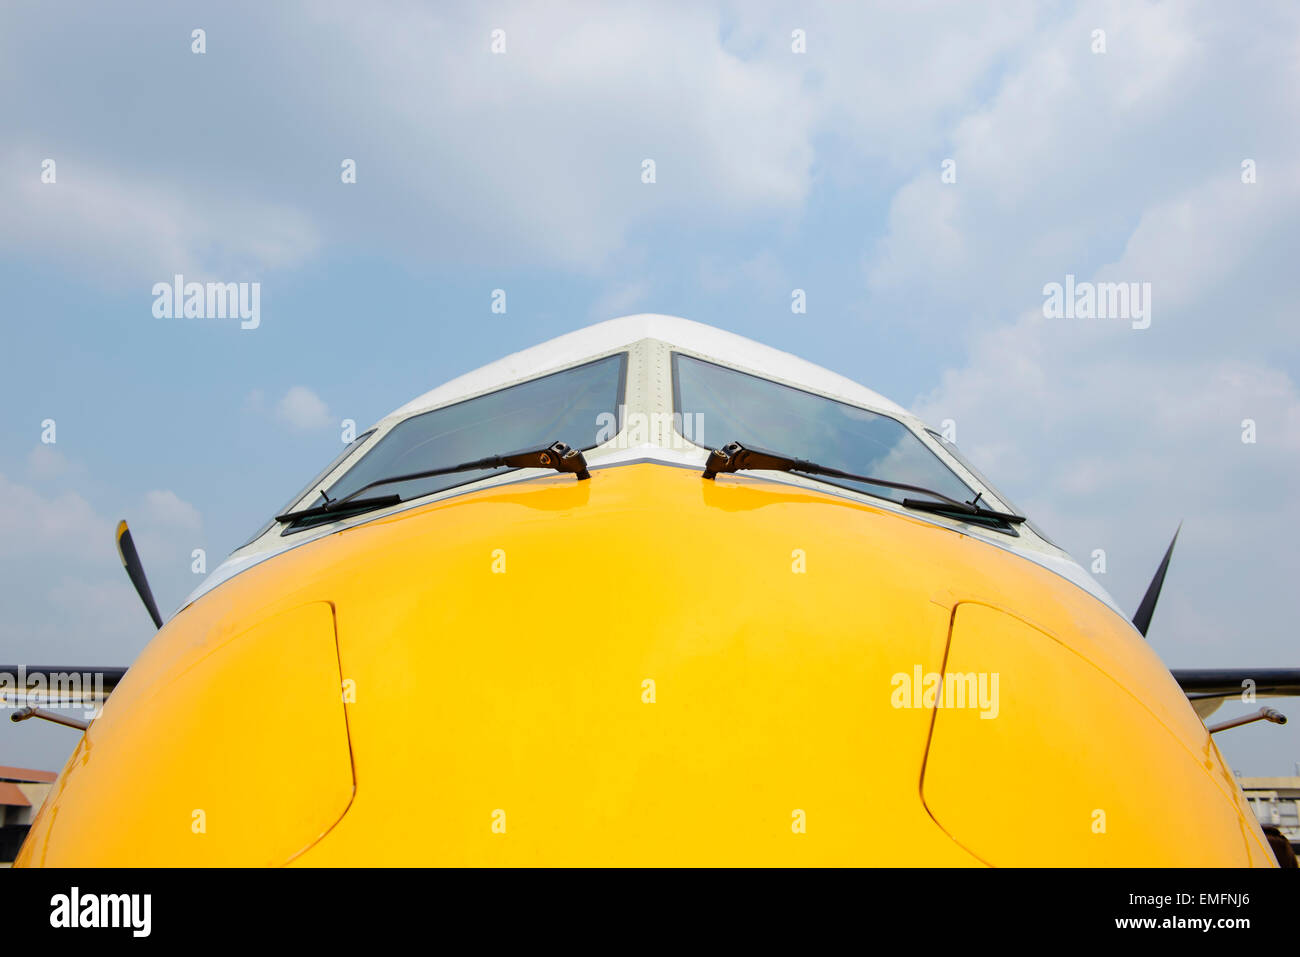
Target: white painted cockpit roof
x,y
607,336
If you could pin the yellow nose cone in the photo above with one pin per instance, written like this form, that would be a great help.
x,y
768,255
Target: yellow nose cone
x,y
650,668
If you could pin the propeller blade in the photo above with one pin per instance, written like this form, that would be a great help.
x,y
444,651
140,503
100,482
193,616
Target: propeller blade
x,y
1142,618
135,570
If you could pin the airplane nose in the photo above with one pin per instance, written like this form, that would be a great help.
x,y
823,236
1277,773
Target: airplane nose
x,y
644,668
647,668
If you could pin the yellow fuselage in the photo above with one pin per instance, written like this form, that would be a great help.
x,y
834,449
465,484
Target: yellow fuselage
x,y
647,668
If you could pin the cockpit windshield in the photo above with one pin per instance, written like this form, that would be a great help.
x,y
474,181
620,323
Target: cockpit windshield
x,y
567,406
733,406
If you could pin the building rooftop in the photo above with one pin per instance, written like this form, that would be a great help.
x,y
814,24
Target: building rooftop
x,y
26,775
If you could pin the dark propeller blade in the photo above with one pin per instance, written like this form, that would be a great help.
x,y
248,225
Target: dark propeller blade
x,y
1142,618
135,569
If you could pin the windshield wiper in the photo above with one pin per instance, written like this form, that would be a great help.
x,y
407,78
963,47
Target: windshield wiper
x,y
333,506
736,458
556,456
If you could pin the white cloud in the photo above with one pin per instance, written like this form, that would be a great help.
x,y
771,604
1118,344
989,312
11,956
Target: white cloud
x,y
45,463
1052,169
60,574
32,523
115,226
622,300
550,136
164,507
534,155
301,408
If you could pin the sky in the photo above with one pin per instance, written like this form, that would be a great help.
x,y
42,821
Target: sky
x,y
921,171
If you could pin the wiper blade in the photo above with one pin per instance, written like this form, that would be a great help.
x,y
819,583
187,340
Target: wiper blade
x,y
961,508
556,456
352,506
735,457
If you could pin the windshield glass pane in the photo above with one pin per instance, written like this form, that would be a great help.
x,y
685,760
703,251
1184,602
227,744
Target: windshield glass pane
x,y
735,406
564,407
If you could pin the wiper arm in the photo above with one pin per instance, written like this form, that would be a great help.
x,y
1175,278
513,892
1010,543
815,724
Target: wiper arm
x,y
736,458
556,456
